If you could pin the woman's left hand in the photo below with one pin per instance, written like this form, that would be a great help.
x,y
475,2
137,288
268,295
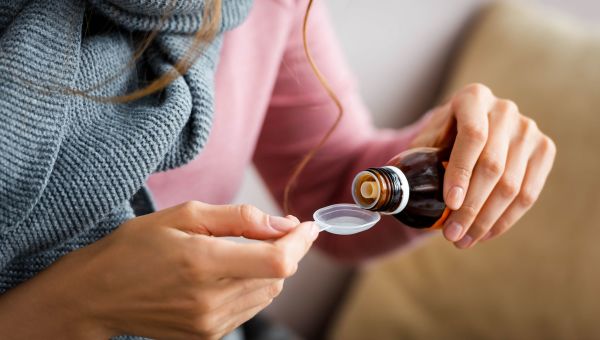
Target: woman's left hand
x,y
499,163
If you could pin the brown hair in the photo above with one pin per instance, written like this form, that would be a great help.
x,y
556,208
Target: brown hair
x,y
287,206
211,20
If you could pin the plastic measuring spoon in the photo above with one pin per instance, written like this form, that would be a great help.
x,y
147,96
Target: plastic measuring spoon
x,y
345,219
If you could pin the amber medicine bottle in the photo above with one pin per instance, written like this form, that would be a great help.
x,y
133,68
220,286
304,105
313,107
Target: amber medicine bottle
x,y
409,187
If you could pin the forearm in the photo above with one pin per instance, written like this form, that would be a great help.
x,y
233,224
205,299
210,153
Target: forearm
x,y
51,305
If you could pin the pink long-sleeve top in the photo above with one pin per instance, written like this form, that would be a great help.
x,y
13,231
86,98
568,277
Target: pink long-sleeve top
x,y
271,110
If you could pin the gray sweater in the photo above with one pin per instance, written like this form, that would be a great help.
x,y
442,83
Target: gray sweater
x,y
69,165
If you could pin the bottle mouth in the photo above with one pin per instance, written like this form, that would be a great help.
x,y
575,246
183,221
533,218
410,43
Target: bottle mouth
x,y
384,189
366,189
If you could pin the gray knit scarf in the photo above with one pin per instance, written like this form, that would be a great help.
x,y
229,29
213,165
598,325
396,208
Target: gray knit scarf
x,y
69,165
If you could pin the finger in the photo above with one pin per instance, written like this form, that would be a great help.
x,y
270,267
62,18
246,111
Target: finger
x,y
236,321
229,290
225,299
536,174
231,220
471,112
247,221
504,193
221,322
297,243
486,174
511,181
493,174
224,258
249,301
293,218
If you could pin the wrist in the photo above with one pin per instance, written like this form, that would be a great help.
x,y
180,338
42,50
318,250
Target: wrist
x,y
78,295
53,304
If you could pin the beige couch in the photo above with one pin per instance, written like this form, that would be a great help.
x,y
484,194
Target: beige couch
x,y
541,280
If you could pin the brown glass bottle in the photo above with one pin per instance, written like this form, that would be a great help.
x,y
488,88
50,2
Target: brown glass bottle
x,y
409,187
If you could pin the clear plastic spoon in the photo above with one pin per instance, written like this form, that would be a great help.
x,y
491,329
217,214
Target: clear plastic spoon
x,y
345,219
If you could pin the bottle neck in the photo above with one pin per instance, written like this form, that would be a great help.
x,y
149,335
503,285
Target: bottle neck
x,y
382,189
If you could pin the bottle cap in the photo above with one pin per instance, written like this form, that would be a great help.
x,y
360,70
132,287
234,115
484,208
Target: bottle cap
x,y
345,219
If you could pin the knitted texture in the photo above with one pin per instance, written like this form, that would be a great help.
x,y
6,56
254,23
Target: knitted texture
x,y
69,165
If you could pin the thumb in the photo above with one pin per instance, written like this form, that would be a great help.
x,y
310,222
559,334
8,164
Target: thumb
x,y
232,220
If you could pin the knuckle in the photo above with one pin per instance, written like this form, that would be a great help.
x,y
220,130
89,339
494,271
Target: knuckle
x,y
190,209
548,146
477,230
275,289
501,227
203,303
506,106
491,166
527,198
250,213
508,187
456,102
463,172
204,325
529,126
478,89
468,210
474,133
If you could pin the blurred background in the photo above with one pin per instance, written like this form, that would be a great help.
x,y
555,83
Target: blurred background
x,y
542,279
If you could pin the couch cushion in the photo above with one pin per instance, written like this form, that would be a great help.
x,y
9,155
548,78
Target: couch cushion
x,y
541,280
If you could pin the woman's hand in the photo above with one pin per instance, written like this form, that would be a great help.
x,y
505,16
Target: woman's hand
x,y
499,163
164,275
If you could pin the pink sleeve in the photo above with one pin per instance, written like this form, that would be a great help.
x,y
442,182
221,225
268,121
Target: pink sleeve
x,y
300,114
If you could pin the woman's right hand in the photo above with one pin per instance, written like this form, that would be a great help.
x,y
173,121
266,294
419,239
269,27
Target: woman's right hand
x,y
164,275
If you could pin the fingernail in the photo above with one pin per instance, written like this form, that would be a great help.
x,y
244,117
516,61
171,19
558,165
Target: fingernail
x,y
455,197
281,223
453,231
293,218
464,242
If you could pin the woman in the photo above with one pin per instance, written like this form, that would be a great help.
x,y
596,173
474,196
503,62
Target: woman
x,y
71,247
